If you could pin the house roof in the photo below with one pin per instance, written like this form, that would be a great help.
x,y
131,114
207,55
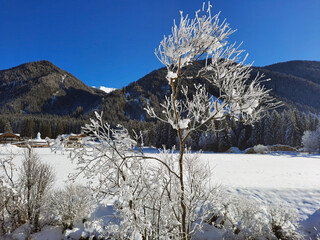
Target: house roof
x,y
9,134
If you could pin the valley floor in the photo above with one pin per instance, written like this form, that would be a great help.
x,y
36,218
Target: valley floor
x,y
291,179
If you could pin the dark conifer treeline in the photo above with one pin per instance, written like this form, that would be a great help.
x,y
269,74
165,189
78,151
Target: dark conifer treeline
x,y
48,125
285,128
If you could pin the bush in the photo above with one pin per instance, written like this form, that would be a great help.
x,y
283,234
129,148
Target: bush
x,y
250,151
35,181
282,222
284,148
67,206
22,197
233,150
261,148
311,141
243,218
257,149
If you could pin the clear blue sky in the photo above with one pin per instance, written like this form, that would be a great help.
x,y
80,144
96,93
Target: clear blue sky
x,y
112,42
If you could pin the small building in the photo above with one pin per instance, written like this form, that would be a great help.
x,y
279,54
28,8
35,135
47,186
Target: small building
x,y
8,137
73,140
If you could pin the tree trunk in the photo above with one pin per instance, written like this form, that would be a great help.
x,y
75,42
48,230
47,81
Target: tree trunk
x,y
182,203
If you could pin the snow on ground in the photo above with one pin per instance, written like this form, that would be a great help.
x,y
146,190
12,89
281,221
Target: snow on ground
x,y
60,162
105,89
291,179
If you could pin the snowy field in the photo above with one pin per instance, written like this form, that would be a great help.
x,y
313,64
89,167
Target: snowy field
x,y
292,179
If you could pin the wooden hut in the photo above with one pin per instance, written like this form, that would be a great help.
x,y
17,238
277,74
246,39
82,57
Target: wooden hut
x,y
73,140
8,137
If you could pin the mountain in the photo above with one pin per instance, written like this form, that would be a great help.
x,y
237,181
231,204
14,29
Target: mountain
x,y
295,83
309,70
41,87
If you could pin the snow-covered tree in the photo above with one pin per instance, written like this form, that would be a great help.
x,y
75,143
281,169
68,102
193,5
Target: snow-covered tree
x,y
169,196
11,212
267,129
275,127
293,129
205,37
311,141
68,206
257,135
223,136
145,189
207,141
35,180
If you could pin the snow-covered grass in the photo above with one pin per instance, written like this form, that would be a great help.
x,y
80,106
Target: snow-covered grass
x,y
291,179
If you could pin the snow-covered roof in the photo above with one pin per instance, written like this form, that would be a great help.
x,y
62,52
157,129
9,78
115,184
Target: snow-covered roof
x,y
10,134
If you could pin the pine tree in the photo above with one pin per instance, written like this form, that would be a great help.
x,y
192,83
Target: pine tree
x,y
275,126
242,139
223,136
283,126
60,129
162,135
28,128
293,132
257,133
268,131
7,127
45,129
208,141
172,137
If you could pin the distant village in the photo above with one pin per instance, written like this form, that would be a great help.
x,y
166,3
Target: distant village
x,y
70,140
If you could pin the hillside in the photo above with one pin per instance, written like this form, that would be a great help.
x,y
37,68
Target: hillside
x,y
43,88
309,70
296,84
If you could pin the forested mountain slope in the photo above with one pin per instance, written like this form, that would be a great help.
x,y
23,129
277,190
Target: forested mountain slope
x,y
43,88
296,84
39,91
309,70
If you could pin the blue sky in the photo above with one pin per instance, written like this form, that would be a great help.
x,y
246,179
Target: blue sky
x,y
111,43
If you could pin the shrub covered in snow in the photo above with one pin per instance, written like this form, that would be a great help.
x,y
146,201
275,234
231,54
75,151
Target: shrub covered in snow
x,y
261,149
283,222
311,141
11,209
67,206
35,181
22,196
233,150
242,218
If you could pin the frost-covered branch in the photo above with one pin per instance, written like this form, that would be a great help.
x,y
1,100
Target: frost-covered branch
x,y
192,39
240,97
203,37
